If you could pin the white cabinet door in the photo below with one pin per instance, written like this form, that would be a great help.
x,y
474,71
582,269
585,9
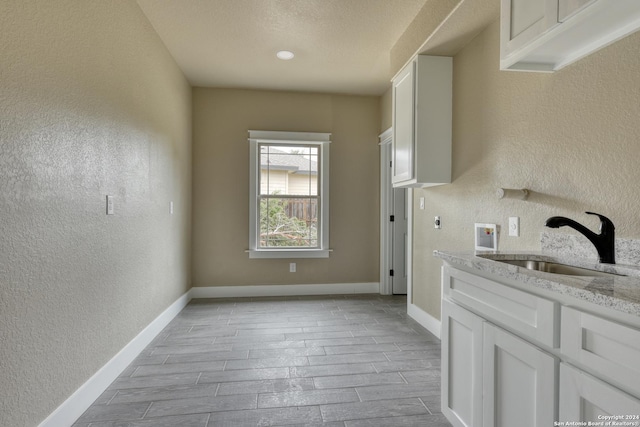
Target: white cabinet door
x,y
422,108
567,8
461,366
585,398
522,21
519,382
548,35
403,124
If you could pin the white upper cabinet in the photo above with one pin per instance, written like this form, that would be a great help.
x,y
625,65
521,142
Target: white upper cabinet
x,y
547,35
422,123
524,21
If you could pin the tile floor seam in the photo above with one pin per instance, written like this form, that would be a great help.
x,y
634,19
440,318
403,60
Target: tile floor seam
x,y
134,371
425,405
113,397
358,394
145,412
403,377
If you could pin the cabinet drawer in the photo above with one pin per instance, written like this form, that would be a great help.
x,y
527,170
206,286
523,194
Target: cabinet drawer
x,y
606,348
527,314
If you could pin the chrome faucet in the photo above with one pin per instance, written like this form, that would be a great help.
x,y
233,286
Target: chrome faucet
x,y
604,242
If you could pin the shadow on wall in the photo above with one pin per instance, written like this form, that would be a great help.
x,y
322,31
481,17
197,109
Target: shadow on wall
x,y
558,203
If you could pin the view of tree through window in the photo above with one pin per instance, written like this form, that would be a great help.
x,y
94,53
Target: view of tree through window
x,y
288,196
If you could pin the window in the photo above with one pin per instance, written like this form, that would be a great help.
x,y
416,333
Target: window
x,y
289,195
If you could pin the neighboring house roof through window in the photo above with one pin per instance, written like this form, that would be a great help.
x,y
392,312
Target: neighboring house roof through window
x,y
295,162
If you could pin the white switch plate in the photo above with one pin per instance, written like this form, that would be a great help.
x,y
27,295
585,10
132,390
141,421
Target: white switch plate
x,y
421,202
171,208
437,223
514,226
109,205
292,267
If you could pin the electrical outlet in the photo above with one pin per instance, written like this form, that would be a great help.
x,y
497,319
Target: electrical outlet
x,y
437,223
514,226
292,267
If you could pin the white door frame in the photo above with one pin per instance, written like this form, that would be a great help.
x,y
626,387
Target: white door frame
x,y
385,210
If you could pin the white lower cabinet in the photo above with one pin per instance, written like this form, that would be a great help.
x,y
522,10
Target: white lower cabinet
x,y
491,377
585,398
503,364
461,365
518,381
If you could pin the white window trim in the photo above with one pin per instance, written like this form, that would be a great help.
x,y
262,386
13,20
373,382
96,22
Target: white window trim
x,y
322,140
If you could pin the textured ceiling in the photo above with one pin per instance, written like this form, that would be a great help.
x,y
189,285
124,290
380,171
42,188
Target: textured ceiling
x,y
341,46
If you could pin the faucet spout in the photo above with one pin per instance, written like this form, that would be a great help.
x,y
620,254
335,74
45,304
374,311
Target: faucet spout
x,y
604,242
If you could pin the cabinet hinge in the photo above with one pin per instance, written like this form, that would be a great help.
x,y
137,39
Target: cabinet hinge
x,y
392,218
391,273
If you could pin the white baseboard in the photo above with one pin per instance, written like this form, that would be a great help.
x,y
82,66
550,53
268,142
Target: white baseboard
x,y
284,290
67,413
426,320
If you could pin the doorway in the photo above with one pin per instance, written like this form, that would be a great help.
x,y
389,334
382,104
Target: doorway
x,y
393,226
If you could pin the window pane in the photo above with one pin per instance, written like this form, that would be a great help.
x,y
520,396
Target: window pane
x,y
288,222
289,170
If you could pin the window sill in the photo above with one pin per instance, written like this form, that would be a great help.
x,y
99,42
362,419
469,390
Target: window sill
x,y
289,253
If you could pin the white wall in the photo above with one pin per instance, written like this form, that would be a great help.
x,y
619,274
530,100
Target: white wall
x,y
91,104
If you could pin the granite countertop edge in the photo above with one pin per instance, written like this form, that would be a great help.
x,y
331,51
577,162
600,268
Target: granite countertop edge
x,y
591,289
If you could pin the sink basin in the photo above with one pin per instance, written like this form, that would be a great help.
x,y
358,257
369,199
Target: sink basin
x,y
556,268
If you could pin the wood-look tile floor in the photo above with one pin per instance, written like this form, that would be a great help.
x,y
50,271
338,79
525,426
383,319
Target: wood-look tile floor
x,y
306,361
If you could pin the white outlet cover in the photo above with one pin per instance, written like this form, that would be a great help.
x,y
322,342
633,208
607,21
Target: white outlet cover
x,y
514,226
110,208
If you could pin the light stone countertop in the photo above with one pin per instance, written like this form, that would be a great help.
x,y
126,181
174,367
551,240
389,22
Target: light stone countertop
x,y
620,293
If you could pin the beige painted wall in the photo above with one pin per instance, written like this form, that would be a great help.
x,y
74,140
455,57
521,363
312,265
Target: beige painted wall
x,y
572,137
421,28
386,105
222,118
91,104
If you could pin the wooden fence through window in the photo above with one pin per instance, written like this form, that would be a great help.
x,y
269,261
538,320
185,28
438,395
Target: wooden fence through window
x,y
303,209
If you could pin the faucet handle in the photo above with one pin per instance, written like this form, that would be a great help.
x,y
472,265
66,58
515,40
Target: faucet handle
x,y
606,224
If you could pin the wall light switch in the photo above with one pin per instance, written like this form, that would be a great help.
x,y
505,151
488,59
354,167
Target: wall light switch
x,y
437,223
421,202
514,226
109,205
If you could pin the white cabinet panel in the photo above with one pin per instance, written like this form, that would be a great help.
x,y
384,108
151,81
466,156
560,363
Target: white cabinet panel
x,y
525,20
461,366
533,316
604,347
585,398
547,35
404,124
422,102
518,382
566,8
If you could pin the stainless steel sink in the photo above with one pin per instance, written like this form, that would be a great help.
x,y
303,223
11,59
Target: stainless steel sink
x,y
556,268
